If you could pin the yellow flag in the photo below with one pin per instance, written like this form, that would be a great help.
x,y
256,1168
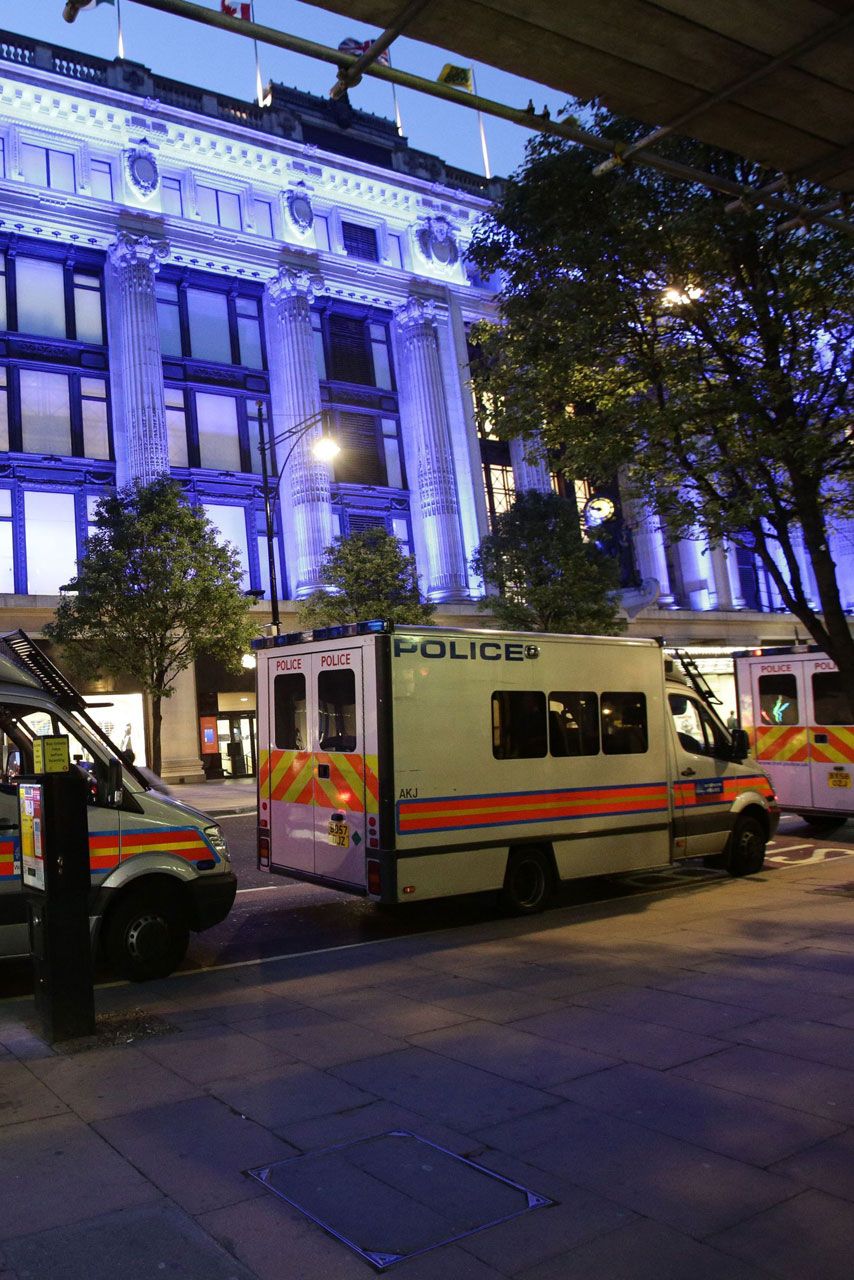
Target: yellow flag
x,y
457,77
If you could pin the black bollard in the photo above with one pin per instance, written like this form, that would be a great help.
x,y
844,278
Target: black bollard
x,y
57,884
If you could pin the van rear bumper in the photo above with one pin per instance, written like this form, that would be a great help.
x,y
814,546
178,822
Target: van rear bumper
x,y
211,899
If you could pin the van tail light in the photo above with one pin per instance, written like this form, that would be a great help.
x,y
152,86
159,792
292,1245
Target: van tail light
x,y
374,880
263,849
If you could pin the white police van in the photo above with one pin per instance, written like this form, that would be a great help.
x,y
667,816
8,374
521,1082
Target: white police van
x,y
406,763
159,868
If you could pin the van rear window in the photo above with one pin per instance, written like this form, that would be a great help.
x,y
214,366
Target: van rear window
x,y
289,712
573,724
624,725
829,701
778,699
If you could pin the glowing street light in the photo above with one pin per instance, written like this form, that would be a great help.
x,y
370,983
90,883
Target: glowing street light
x,y
324,449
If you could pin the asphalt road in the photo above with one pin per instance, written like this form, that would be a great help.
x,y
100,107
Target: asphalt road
x,y
274,916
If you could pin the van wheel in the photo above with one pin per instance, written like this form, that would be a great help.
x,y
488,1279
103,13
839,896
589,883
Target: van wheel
x,y
528,882
147,934
823,823
746,850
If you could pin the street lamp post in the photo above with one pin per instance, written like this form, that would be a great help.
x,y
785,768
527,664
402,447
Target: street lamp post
x,y
324,449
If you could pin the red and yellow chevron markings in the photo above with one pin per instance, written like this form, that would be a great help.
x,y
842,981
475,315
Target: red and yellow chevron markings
x,y
782,743
293,777
839,747
449,813
7,858
694,793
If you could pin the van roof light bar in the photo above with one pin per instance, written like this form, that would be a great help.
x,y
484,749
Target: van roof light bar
x,y
341,632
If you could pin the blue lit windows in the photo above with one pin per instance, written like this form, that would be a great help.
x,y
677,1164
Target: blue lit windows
x,y
264,217
94,418
391,453
317,336
216,422
176,426
171,196
51,540
360,242
230,525
101,179
4,410
370,449
53,302
7,544
46,167
3,321
2,158
222,208
209,324
378,334
321,232
45,412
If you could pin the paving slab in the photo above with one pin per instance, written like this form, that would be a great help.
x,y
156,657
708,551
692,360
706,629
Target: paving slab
x,y
363,1121
644,1250
66,1170
828,1166
311,1036
23,1096
816,1041
194,1151
109,1082
387,1012
618,1036
204,1052
135,1244
290,1094
476,999
453,1093
676,1182
788,1081
514,1054
765,998
808,1235
666,1008
747,1129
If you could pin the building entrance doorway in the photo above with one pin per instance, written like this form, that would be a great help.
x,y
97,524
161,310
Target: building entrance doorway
x,y
236,740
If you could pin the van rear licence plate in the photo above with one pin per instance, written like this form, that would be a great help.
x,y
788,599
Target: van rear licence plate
x,y
840,779
339,833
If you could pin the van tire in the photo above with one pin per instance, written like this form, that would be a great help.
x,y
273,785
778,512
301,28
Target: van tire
x,y
147,933
529,882
746,847
823,824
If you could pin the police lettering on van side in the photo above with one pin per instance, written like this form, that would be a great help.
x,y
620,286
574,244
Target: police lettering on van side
x,y
467,650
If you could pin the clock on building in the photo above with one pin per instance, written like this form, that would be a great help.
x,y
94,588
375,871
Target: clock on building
x,y
598,509
142,171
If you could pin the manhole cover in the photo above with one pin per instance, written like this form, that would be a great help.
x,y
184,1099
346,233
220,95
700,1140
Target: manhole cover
x,y
396,1195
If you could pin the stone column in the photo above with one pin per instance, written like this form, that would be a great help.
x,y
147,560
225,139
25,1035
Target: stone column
x,y
136,367
530,465
305,485
727,592
648,540
435,492
179,732
696,570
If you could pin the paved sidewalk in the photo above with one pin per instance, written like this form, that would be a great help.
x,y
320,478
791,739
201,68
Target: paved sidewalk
x,y
230,795
673,1073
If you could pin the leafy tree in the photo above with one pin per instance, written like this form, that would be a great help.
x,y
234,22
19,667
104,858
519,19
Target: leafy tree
x,y
705,356
154,591
548,579
371,578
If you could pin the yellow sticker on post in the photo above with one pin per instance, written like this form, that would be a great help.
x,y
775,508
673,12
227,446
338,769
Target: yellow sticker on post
x,y
50,753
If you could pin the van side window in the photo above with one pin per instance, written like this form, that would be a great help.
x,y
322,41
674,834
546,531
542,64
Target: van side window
x,y
778,699
289,711
336,704
624,724
697,730
573,724
829,702
519,725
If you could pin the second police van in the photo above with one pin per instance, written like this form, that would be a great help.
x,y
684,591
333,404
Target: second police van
x,y
408,763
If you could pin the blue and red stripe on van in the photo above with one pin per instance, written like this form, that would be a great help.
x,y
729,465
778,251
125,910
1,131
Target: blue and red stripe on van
x,y
183,842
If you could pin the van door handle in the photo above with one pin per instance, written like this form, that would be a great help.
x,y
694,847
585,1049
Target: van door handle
x,y
338,817
689,772
819,737
323,771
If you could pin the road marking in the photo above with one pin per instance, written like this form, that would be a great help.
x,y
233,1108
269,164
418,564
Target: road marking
x,y
263,888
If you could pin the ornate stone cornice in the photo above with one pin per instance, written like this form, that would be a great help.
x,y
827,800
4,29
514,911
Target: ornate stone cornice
x,y
291,283
135,251
417,313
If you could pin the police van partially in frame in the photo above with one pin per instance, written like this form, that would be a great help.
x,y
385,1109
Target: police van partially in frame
x,y
407,763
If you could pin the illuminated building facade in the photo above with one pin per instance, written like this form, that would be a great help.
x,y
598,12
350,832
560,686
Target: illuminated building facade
x,y
176,264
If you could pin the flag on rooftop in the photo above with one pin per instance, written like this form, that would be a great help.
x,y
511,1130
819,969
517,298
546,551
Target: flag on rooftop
x,y
358,47
457,77
243,12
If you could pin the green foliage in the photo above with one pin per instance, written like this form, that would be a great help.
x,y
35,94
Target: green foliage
x,y
548,578
155,590
371,578
726,403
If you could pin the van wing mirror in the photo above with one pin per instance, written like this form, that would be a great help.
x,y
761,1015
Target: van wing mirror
x,y
740,744
115,784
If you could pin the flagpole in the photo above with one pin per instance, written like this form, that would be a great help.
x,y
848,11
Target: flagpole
x,y
487,170
120,40
259,85
397,117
